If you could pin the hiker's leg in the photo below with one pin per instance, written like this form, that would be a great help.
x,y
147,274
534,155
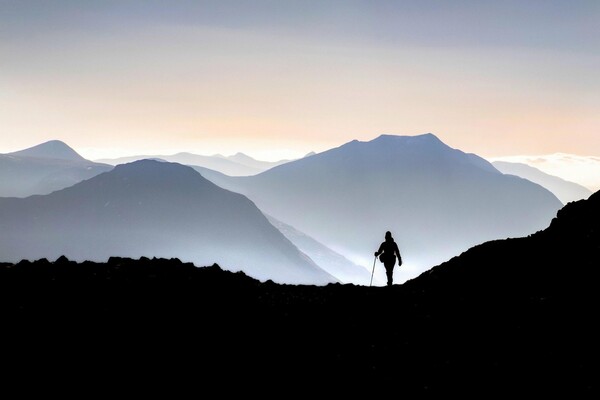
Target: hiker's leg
x,y
389,271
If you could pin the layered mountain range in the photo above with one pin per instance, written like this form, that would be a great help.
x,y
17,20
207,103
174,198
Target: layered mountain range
x,y
334,207
238,164
156,209
437,201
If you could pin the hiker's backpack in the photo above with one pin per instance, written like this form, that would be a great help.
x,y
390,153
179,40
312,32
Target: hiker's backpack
x,y
384,257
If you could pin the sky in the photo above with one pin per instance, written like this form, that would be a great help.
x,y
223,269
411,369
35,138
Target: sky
x,y
278,79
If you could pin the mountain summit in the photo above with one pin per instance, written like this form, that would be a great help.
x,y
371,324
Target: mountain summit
x,y
43,169
53,149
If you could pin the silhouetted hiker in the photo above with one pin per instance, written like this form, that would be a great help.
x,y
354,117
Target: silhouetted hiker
x,y
389,250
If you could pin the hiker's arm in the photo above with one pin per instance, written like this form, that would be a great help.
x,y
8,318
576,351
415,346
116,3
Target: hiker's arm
x,y
399,256
378,252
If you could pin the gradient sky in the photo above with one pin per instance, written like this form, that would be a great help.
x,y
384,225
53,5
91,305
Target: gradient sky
x,y
277,79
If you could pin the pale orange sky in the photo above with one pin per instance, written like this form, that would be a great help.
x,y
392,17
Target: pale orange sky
x,y
151,79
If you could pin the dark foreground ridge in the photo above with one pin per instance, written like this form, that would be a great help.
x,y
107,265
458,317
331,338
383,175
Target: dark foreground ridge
x,y
516,316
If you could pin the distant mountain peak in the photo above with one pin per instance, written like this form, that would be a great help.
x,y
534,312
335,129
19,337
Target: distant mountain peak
x,y
152,167
161,175
389,142
429,137
239,156
53,149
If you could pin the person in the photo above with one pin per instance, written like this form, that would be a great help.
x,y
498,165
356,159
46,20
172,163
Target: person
x,y
389,251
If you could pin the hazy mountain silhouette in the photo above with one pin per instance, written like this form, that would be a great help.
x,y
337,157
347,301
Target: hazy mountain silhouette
x,y
565,191
583,170
512,316
151,208
217,163
437,201
334,263
43,169
260,165
53,149
236,165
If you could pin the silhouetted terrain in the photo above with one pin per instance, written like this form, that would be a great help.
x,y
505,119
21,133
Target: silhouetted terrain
x,y
515,317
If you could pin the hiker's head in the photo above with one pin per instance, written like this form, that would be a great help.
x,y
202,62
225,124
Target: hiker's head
x,y
388,235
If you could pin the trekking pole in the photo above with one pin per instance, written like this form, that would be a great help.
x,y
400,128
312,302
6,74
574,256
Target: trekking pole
x,y
373,271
